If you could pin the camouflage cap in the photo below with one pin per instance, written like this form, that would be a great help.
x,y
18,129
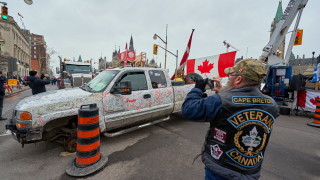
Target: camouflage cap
x,y
250,68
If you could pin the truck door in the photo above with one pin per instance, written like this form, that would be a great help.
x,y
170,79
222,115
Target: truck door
x,y
162,93
128,109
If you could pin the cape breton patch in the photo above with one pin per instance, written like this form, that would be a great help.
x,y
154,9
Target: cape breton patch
x,y
216,152
219,135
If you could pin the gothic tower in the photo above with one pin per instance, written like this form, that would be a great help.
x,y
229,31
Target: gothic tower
x,y
276,19
115,59
131,48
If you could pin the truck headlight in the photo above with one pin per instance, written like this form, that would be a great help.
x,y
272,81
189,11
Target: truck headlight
x,y
23,115
23,119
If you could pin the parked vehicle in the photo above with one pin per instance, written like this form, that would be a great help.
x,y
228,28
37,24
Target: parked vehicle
x,y
128,99
75,74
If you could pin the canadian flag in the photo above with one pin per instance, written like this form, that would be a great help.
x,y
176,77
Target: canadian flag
x,y
211,66
308,99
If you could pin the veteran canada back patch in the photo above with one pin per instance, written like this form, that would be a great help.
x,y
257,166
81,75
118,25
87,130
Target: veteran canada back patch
x,y
253,128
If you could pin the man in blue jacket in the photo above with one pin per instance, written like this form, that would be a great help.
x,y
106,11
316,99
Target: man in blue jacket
x,y
36,84
241,120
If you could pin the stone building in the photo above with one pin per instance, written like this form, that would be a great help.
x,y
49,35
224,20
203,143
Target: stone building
x,y
38,51
15,49
115,58
102,63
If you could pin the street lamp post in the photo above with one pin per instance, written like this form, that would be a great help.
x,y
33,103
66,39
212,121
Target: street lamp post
x,y
155,36
175,55
313,57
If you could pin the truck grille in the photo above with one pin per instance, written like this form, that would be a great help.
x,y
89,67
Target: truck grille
x,y
77,82
86,80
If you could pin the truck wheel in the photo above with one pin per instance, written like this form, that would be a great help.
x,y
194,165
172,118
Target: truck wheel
x,y
71,144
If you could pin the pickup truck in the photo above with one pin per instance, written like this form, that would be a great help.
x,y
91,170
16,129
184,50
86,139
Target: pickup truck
x,y
128,98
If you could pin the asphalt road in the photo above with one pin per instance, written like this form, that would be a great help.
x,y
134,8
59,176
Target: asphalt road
x,y
163,151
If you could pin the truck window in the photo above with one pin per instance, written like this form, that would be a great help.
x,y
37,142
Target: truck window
x,y
138,80
158,79
100,82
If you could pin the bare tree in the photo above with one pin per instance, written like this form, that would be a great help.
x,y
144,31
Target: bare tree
x,y
49,53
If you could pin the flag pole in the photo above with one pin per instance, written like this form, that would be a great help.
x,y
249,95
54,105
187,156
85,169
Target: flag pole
x,y
176,65
185,55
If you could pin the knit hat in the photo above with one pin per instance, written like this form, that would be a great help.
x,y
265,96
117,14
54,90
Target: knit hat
x,y
250,68
32,73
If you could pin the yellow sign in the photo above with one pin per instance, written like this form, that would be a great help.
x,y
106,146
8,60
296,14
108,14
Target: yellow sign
x,y
12,82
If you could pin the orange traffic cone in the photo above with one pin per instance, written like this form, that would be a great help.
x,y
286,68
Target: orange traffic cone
x,y
88,158
316,117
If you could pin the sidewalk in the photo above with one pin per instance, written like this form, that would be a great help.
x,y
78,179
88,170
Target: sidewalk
x,y
17,90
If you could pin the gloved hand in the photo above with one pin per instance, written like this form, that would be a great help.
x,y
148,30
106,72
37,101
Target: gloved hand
x,y
201,84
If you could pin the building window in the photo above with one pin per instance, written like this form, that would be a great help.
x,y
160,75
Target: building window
x,y
35,57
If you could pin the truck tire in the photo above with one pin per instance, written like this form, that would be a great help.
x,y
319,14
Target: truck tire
x,y
71,144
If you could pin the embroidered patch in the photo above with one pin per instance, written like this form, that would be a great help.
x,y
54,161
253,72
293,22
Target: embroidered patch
x,y
252,100
219,135
216,152
253,127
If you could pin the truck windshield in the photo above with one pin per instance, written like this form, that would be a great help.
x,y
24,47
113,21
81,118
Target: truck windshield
x,y
100,82
71,68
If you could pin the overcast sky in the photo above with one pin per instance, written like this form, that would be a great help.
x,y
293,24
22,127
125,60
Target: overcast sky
x,y
93,27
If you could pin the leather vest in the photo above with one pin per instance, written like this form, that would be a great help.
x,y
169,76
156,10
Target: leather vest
x,y
238,136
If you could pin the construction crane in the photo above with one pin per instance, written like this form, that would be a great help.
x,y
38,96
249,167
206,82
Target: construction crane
x,y
229,45
269,52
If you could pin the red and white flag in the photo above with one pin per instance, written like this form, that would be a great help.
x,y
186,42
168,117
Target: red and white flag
x,y
211,66
185,55
20,15
308,99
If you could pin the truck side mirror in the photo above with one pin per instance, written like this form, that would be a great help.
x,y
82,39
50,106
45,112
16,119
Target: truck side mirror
x,y
123,88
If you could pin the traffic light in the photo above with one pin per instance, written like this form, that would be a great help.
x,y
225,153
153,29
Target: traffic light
x,y
155,49
298,39
4,12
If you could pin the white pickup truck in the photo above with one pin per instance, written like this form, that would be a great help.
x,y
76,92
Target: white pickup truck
x,y
128,98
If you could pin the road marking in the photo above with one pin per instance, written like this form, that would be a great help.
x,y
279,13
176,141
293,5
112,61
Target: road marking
x,y
6,133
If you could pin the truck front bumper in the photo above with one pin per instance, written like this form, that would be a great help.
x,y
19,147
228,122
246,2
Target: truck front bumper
x,y
17,135
23,137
